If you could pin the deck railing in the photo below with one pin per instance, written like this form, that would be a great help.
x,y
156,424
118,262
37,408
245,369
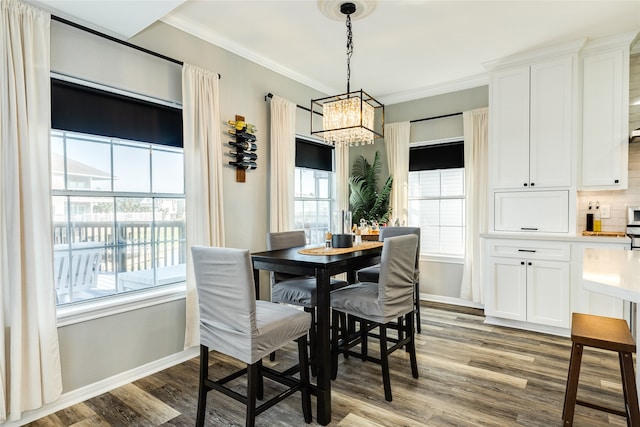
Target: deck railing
x,y
129,245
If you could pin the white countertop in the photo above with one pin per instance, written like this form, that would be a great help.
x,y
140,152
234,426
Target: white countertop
x,y
558,238
612,272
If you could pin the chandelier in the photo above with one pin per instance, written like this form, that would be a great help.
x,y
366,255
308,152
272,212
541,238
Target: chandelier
x,y
349,118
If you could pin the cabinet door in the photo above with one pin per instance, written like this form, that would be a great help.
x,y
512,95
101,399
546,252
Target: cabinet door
x,y
552,123
532,211
604,131
548,293
509,128
506,291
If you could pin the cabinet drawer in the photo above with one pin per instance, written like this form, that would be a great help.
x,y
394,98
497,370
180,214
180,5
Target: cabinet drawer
x,y
532,211
529,250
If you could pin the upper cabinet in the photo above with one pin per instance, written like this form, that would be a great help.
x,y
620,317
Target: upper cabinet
x,y
533,124
605,113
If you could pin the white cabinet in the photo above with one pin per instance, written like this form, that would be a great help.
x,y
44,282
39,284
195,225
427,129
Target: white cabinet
x,y
528,281
605,112
584,301
532,125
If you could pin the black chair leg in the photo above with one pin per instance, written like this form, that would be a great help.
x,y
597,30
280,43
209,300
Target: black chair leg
x,y
364,339
418,321
335,341
303,359
253,372
260,385
312,340
202,388
384,359
411,347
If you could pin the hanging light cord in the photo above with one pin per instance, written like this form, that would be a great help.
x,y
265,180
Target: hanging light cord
x,y
349,51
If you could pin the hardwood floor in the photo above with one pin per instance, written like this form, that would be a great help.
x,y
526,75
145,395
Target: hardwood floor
x,y
471,374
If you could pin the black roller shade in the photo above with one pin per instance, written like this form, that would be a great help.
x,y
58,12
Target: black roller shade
x,y
437,156
313,155
92,111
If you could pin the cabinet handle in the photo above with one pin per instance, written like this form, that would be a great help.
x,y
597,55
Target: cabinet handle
x,y
521,262
532,184
527,250
616,181
529,228
525,184
529,263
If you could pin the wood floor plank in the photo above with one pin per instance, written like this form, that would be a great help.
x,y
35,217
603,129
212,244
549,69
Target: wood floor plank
x,y
470,374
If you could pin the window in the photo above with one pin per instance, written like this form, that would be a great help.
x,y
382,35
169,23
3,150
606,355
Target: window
x,y
313,203
118,203
314,189
436,198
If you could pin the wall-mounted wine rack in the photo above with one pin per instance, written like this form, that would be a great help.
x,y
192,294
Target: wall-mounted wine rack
x,y
244,147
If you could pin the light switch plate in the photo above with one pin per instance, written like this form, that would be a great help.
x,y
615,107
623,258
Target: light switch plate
x,y
605,212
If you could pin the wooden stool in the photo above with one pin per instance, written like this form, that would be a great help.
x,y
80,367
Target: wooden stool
x,y
608,334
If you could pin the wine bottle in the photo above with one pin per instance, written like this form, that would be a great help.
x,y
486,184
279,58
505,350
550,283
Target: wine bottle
x,y
243,135
246,155
244,145
244,165
240,125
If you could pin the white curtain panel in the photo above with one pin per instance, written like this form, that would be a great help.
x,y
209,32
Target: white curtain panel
x,y
396,141
203,162
282,164
30,374
476,170
342,176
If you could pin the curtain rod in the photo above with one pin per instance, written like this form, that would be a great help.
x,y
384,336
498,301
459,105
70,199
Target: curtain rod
x,y
436,117
270,95
116,40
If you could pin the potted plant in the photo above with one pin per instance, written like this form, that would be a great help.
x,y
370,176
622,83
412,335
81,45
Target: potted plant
x,y
365,200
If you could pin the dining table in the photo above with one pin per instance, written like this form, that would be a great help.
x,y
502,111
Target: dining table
x,y
322,263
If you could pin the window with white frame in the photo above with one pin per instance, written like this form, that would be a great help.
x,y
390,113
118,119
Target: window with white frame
x,y
118,204
314,189
437,199
313,203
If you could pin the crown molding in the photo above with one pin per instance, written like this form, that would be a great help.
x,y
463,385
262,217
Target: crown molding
x,y
526,58
437,89
205,34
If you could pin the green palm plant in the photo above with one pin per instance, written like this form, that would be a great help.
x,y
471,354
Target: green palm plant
x,y
365,200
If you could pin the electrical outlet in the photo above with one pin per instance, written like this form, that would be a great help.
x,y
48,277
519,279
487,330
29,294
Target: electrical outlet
x,y
605,212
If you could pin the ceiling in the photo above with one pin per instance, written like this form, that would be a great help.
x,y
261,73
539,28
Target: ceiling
x,y
404,49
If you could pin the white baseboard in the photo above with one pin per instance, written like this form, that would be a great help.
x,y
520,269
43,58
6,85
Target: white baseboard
x,y
450,300
103,386
543,329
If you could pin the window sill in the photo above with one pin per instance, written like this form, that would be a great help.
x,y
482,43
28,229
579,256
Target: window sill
x,y
83,312
445,259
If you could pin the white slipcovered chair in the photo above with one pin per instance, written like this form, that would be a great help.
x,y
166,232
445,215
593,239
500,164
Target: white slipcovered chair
x,y
378,305
370,274
232,322
296,290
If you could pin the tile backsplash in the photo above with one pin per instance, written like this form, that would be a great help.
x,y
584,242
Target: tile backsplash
x,y
619,200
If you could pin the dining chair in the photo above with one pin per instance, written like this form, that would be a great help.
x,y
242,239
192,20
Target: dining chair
x,y
293,289
371,274
378,305
233,323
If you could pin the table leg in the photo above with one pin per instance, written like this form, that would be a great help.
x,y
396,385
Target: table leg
x,y
323,349
637,320
256,282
